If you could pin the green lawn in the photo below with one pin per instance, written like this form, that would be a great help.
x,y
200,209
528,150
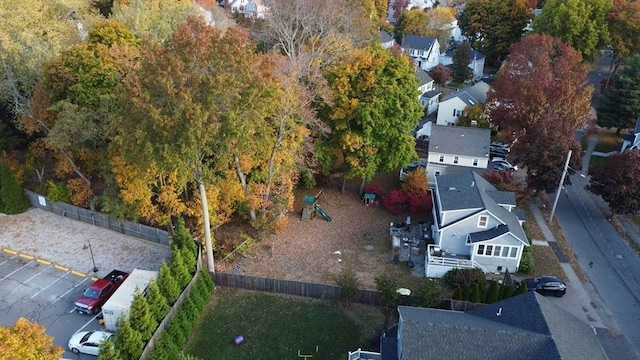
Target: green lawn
x,y
275,327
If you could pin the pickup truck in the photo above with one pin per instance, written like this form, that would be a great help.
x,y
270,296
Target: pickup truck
x,y
99,292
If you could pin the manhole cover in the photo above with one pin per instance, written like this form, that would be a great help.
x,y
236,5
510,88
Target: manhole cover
x,y
368,247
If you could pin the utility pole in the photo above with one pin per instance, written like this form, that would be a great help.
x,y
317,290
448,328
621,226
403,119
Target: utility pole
x,y
564,173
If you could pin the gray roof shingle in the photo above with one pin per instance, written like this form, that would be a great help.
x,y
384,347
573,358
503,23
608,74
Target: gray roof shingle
x,y
457,140
418,42
529,327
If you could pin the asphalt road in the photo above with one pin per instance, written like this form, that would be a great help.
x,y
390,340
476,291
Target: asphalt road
x,y
612,267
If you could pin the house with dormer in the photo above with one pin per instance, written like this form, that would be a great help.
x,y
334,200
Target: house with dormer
x,y
454,104
248,8
425,51
455,149
475,225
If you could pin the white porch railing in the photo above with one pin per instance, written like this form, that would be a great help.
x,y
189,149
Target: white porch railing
x,y
364,355
451,262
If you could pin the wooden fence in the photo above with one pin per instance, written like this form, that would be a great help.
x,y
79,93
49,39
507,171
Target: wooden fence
x,y
294,288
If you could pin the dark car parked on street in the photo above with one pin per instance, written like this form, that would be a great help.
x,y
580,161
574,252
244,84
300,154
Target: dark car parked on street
x,y
547,285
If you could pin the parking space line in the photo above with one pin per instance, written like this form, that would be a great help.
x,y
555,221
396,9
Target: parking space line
x,y
16,270
31,278
88,322
53,282
70,290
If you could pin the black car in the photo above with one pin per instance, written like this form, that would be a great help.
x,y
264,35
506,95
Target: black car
x,y
547,285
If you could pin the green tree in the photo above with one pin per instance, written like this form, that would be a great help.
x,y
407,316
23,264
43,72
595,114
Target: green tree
x,y
579,23
410,22
107,351
439,19
387,286
156,18
476,294
182,241
623,21
25,45
168,285
619,106
467,290
179,269
27,340
493,25
370,129
537,98
522,289
429,293
12,197
348,282
492,293
611,181
128,341
157,302
458,294
508,291
526,262
141,316
475,113
460,68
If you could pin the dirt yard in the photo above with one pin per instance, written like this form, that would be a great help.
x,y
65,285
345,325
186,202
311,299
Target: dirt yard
x,y
357,238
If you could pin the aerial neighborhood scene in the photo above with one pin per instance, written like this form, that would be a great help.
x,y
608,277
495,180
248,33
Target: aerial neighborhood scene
x,y
334,180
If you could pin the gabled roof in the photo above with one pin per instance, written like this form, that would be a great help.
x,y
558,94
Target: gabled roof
x,y
423,76
470,191
385,37
418,42
473,54
458,140
471,95
529,327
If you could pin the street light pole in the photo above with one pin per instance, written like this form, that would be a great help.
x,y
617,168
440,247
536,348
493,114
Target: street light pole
x,y
564,173
95,268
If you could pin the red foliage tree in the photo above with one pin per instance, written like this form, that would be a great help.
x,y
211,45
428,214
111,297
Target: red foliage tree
x,y
540,98
616,179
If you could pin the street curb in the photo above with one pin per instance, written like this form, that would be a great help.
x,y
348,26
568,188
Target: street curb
x,y
46,262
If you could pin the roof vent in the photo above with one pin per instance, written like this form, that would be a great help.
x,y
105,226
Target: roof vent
x,y
452,188
473,183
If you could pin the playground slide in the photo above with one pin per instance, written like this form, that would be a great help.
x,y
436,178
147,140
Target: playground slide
x,y
322,213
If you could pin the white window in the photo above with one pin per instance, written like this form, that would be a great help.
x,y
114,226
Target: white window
x,y
514,252
489,250
475,162
505,251
480,250
455,159
437,173
457,112
496,251
441,159
482,221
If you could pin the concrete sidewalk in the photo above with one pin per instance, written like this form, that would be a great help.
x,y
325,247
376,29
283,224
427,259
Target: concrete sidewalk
x,y
576,292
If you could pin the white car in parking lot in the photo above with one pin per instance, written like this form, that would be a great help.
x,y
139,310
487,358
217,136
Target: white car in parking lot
x,y
88,342
502,161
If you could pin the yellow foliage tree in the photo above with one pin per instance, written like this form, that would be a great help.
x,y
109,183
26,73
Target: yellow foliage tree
x,y
27,341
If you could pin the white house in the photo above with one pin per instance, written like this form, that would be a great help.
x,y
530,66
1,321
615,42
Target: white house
x,y
386,40
476,62
453,105
454,149
474,226
248,8
425,51
632,141
429,93
411,4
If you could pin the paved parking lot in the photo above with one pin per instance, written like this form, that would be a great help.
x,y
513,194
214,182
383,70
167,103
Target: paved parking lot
x,y
46,262
43,292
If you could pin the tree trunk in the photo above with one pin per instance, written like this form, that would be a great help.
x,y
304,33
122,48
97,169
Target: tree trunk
x,y
243,181
361,191
23,107
207,227
344,182
272,160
